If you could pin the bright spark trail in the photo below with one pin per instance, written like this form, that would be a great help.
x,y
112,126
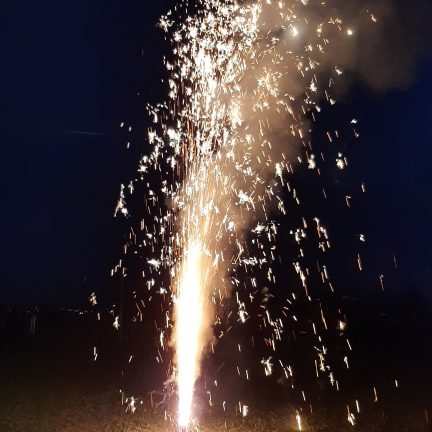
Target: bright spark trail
x,y
246,80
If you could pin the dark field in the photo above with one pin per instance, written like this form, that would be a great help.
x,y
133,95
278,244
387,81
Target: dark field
x,y
50,382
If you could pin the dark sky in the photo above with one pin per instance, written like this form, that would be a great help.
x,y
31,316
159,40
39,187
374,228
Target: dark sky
x,y
78,66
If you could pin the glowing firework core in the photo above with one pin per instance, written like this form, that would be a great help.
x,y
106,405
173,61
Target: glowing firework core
x,y
190,306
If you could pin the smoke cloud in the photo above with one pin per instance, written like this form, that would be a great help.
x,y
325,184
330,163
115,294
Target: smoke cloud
x,y
389,40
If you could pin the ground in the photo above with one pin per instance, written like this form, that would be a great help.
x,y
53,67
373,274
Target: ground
x,y
53,384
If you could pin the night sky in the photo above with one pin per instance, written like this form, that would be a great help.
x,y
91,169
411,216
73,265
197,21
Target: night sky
x,y
72,72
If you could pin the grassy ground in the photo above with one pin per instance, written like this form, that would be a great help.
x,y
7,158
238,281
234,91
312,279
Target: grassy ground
x,y
52,401
50,385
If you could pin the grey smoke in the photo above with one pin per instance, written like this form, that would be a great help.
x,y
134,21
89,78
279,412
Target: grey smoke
x,y
384,54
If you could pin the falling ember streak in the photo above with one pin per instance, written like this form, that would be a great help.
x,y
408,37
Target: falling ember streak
x,y
299,423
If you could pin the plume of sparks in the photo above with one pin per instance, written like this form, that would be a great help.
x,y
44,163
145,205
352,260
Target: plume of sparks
x,y
246,80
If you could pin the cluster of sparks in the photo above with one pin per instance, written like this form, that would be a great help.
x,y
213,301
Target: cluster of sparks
x,y
246,80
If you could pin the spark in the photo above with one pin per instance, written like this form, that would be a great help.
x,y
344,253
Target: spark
x,y
116,323
299,422
93,300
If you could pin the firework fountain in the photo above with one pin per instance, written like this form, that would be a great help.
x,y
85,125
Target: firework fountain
x,y
246,80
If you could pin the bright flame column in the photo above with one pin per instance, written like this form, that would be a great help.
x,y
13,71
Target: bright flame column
x,y
189,318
